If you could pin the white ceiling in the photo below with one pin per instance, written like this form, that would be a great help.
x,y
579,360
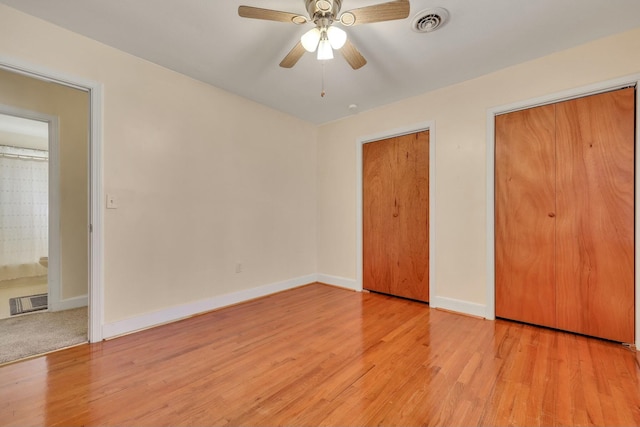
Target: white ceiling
x,y
207,40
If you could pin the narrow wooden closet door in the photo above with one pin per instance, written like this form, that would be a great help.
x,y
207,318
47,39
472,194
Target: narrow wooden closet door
x,y
525,215
595,222
396,216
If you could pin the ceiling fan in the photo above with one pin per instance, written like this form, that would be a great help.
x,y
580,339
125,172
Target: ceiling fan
x,y
325,37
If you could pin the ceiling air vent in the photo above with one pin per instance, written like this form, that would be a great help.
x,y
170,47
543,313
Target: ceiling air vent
x,y
429,20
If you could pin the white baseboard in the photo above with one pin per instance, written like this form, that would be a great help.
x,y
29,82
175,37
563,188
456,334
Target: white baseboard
x,y
459,306
171,314
69,303
341,282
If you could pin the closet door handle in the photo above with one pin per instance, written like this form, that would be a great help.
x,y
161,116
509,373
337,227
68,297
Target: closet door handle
x,y
552,215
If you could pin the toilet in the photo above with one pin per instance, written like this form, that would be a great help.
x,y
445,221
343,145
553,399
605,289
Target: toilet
x,y
44,261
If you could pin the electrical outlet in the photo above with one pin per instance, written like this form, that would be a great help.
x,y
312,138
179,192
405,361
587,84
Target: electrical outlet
x,y
238,267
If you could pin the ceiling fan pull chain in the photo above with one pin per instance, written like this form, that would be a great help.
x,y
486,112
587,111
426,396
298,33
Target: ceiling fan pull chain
x,y
323,92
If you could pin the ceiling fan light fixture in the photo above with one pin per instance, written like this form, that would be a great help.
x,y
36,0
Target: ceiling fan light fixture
x,y
337,37
324,50
310,40
325,38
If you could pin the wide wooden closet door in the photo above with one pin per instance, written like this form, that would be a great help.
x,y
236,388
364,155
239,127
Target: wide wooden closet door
x,y
565,215
396,216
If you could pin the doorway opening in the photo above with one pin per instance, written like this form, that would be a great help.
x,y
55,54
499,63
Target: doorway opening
x,y
44,215
67,292
24,211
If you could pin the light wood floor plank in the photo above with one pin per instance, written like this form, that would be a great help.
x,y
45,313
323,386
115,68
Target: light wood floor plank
x,y
319,355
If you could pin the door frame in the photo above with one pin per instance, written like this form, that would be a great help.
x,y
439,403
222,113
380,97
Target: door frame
x,y
53,270
95,206
407,130
579,92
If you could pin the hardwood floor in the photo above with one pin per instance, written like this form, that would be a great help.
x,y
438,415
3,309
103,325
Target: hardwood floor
x,y
319,355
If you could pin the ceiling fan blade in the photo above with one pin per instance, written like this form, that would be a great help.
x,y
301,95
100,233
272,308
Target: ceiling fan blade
x,y
353,57
293,56
270,15
389,11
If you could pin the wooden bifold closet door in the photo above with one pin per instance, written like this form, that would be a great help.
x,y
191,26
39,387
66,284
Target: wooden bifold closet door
x,y
565,215
525,216
396,216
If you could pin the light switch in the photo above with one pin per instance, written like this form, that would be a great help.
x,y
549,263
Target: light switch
x,y
112,202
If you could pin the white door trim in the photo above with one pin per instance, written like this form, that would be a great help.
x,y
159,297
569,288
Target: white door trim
x,y
418,127
53,270
605,86
95,208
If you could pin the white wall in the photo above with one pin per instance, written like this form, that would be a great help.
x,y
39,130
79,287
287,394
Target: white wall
x,y
203,178
459,113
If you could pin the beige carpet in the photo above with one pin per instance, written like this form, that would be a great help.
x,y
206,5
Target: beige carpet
x,y
38,333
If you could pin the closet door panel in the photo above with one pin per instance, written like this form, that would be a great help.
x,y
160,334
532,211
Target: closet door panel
x,y
595,215
379,245
396,216
412,209
525,215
